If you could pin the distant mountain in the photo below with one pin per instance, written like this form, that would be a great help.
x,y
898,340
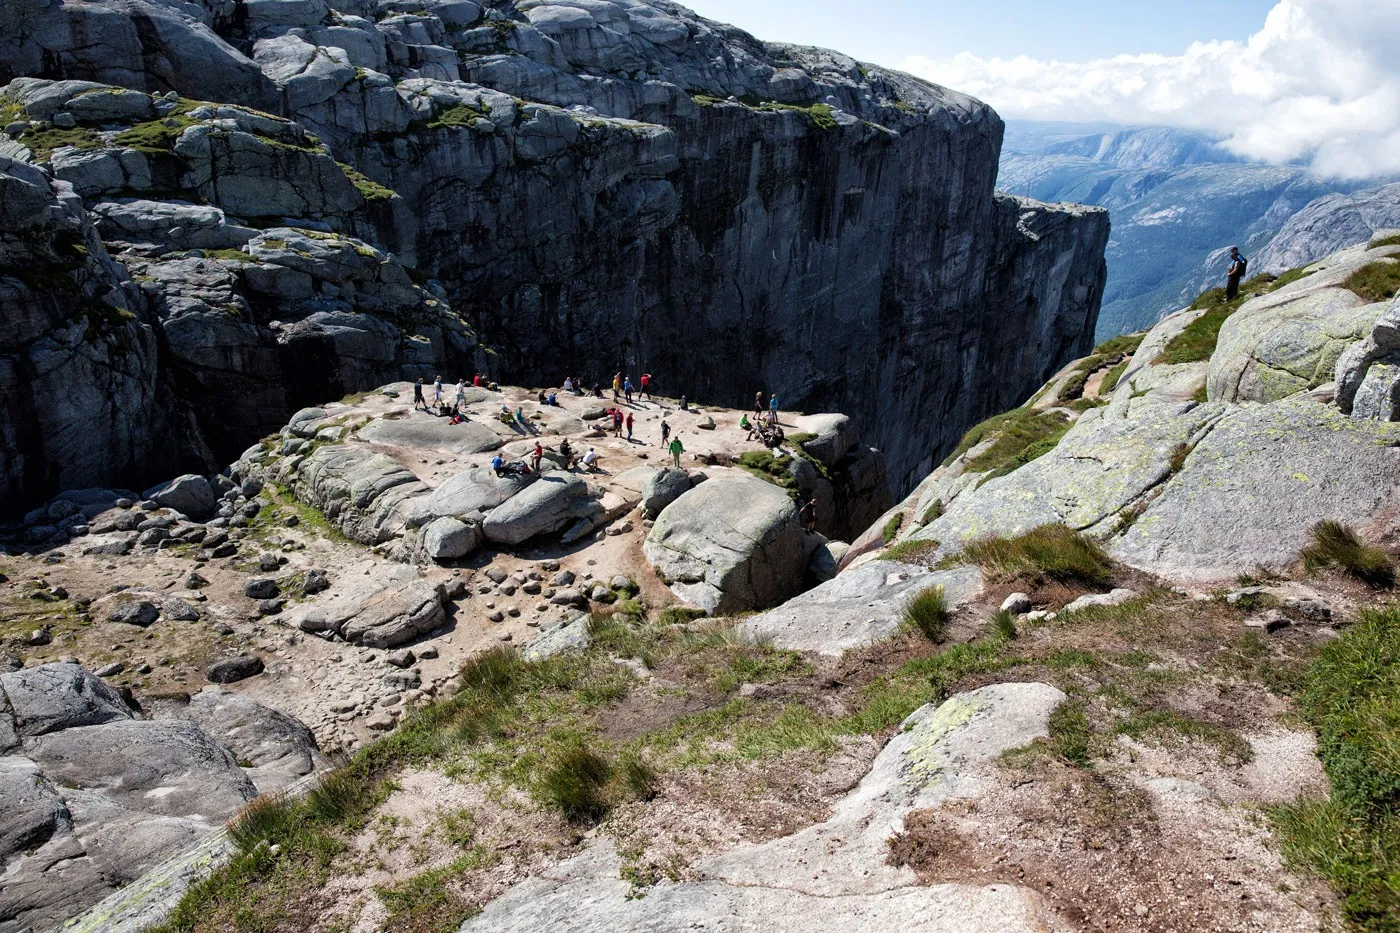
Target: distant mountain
x,y
1178,201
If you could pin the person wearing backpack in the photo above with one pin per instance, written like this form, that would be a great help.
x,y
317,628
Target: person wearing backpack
x,y
1238,266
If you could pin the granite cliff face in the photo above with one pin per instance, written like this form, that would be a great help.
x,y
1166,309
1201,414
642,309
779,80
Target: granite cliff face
x,y
594,186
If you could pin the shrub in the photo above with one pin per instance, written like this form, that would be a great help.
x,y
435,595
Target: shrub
x,y
1053,551
575,783
1336,545
892,527
928,612
1351,696
1378,281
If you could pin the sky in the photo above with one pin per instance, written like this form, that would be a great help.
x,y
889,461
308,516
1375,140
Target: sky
x,y
1316,81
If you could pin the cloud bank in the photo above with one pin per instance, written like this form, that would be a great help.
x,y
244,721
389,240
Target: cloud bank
x,y
1320,84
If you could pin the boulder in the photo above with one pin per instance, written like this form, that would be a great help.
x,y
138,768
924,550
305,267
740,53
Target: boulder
x,y
162,767
135,612
835,436
1378,396
426,432
559,640
58,696
273,749
190,495
662,488
471,493
731,544
232,670
861,606
826,560
397,616
548,505
447,539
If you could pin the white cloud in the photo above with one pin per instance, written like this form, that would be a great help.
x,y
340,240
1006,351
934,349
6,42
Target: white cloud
x,y
1319,83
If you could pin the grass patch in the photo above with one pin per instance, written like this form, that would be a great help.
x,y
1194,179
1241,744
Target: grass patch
x,y
1337,545
428,902
933,513
891,529
1384,241
576,784
43,143
369,189
1197,342
1352,698
1117,351
928,612
910,552
764,465
1051,551
1377,281
1020,436
155,137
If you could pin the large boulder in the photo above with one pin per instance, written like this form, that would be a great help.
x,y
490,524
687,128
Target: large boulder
x,y
859,607
273,749
368,496
731,544
190,495
394,617
52,697
446,539
550,504
835,874
472,493
662,488
425,432
834,436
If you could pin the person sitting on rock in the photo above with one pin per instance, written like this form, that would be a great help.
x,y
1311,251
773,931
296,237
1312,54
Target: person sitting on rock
x,y
567,453
685,403
568,384
553,401
476,380
543,399
498,463
505,416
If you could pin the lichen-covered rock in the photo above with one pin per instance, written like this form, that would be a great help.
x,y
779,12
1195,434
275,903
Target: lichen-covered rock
x,y
731,544
857,608
1378,397
662,488
367,495
550,504
446,539
52,697
396,617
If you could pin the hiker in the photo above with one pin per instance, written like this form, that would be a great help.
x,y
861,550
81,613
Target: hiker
x,y
461,392
590,460
418,395
745,425
537,456
1238,265
627,389
617,385
685,404
567,453
437,390
617,422
520,419
476,380
665,433
597,391
676,450
553,400
646,386
808,514
543,399
568,384
773,408
758,403
629,428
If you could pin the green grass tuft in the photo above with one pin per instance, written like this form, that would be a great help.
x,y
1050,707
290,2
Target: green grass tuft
x,y
928,612
1351,697
575,783
1197,342
1020,436
891,529
1337,545
1393,240
1052,551
369,189
1378,281
764,465
910,552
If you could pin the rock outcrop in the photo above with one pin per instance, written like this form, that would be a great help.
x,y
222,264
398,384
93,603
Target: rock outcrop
x,y
834,875
1329,224
92,794
671,182
1203,470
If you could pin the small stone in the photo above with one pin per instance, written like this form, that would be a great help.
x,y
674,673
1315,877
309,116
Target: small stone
x,y
232,670
40,637
427,654
497,616
291,521
141,613
110,670
316,582
513,612
261,588
508,589
532,588
380,722
549,566
620,582
403,658
505,636
268,563
271,607
496,575
1271,620
143,668
177,610
1017,603
564,578
195,581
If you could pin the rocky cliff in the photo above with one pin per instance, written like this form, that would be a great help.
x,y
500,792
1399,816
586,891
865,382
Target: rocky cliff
x,y
595,186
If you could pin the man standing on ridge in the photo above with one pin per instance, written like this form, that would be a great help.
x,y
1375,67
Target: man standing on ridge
x,y
676,449
1238,265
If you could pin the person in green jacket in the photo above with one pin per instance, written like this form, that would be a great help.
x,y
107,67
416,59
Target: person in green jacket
x,y
677,450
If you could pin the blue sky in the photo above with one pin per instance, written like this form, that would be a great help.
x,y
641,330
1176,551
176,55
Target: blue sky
x,y
888,32
1275,80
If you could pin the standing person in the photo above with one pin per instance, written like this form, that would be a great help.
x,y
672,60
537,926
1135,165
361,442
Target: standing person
x,y
617,422
629,427
1238,265
665,433
537,456
617,386
418,395
758,403
646,386
461,392
676,449
437,390
808,514
627,389
773,410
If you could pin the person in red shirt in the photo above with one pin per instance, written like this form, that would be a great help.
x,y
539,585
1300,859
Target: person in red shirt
x,y
646,386
537,456
476,380
629,427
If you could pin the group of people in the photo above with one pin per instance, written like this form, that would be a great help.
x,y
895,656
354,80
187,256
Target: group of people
x,y
622,386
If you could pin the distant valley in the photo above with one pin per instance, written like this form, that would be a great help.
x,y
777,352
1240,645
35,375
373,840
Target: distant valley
x,y
1178,202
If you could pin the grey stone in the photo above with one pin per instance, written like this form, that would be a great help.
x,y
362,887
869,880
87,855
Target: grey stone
x,y
395,617
404,658
564,638
548,505
177,610
232,670
1017,604
1115,597
446,539
261,588
136,612
316,581
859,607
189,495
